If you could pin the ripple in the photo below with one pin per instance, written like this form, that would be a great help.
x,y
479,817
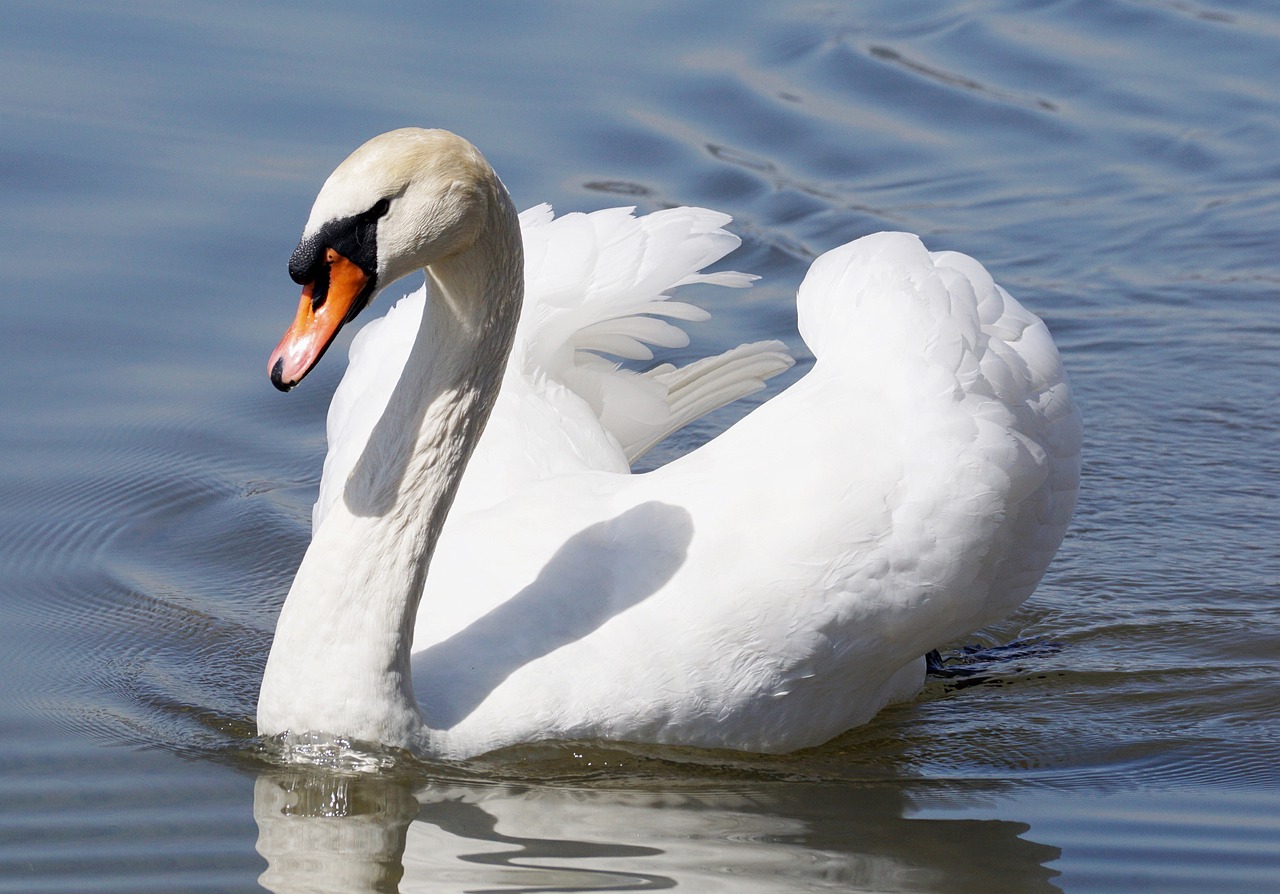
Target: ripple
x,y
618,188
888,54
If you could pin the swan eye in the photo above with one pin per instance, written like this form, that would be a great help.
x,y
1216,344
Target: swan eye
x,y
366,222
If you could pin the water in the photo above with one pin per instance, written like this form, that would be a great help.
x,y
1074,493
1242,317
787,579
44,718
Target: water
x,y
1114,164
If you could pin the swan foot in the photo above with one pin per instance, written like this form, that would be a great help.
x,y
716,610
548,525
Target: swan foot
x,y
975,665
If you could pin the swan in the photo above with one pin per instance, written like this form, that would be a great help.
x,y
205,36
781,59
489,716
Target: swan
x,y
765,592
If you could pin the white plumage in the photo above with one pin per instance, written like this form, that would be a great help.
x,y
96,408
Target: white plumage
x,y
765,592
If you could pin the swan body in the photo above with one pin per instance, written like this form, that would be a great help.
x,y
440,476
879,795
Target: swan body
x,y
765,592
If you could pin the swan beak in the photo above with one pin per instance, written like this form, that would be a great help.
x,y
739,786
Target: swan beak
x,y
327,302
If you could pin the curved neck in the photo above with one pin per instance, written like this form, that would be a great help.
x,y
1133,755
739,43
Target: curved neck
x,y
339,663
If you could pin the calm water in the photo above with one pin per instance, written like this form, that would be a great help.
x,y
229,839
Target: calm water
x,y
1116,165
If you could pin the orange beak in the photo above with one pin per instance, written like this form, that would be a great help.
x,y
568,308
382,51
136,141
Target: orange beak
x,y
317,322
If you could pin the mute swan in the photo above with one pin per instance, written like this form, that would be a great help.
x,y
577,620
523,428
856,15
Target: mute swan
x,y
765,592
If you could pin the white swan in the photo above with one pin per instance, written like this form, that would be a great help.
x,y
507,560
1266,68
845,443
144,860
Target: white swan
x,y
765,592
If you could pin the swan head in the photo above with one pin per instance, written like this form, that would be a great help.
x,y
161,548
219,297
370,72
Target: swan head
x,y
401,202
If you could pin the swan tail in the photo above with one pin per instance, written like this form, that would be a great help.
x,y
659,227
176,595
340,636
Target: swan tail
x,y
597,290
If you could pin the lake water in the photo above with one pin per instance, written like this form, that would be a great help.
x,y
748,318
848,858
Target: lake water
x,y
1115,164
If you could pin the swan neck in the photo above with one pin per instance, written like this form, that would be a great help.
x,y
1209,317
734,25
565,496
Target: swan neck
x,y
340,663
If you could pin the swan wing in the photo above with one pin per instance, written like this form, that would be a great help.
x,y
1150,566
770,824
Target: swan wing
x,y
597,287
781,583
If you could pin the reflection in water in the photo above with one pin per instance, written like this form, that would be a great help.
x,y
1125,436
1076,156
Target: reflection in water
x,y
329,833
323,832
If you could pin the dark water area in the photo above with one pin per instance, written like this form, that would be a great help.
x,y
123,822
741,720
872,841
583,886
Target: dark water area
x,y
1115,165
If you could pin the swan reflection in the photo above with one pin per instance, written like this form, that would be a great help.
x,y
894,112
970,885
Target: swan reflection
x,y
324,832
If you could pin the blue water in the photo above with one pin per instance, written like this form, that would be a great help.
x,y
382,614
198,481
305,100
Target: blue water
x,y
1115,165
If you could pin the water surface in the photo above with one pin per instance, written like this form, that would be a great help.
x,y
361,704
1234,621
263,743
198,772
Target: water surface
x,y
1114,165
